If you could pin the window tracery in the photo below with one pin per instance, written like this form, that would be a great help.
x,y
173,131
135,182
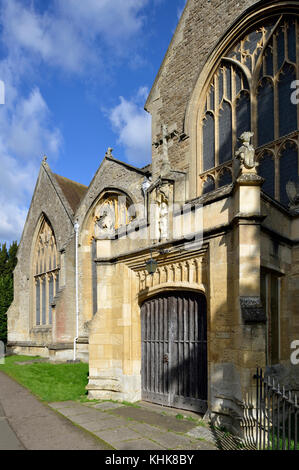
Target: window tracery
x,y
46,274
251,91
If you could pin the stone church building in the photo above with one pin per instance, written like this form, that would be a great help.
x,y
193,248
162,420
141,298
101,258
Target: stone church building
x,y
175,281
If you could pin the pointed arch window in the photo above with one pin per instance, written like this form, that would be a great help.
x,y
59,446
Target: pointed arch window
x,y
46,274
250,90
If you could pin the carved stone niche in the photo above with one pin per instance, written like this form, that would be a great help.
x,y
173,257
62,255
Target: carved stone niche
x,y
113,212
160,210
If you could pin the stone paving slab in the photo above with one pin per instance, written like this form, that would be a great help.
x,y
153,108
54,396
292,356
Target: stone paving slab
x,y
8,439
107,406
200,432
116,436
170,440
61,405
136,428
165,422
145,429
140,444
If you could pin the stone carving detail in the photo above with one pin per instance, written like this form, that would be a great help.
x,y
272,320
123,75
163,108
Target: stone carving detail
x,y
187,271
105,221
163,222
111,213
246,154
293,195
109,153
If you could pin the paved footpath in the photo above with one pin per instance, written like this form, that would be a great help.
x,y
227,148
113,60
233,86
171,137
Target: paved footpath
x,y
26,423
141,427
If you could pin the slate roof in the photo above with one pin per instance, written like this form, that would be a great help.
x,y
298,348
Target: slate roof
x,y
72,190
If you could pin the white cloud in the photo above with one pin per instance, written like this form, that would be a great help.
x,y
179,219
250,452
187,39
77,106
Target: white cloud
x,y
74,37
26,134
66,37
133,126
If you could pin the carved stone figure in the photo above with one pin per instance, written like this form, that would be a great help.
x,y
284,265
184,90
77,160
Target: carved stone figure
x,y
162,202
105,221
109,152
246,153
293,194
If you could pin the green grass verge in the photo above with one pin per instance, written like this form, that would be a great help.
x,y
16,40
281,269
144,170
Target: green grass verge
x,y
49,382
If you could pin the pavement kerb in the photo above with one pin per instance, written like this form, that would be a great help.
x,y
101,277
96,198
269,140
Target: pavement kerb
x,y
83,429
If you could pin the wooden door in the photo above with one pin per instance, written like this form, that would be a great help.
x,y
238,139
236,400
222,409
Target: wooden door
x,y
174,350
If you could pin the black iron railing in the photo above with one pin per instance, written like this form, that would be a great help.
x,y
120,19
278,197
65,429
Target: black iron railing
x,y
271,417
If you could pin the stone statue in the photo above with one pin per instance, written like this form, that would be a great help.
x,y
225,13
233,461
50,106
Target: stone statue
x,y
162,202
293,194
246,153
109,152
105,221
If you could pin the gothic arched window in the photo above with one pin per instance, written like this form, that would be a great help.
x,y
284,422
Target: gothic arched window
x,y
251,90
46,274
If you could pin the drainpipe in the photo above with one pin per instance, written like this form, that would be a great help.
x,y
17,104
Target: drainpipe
x,y
76,228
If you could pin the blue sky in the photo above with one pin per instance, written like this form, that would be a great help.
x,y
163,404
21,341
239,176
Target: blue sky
x,y
77,75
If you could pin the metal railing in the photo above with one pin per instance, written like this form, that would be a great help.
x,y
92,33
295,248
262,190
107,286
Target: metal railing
x,y
271,420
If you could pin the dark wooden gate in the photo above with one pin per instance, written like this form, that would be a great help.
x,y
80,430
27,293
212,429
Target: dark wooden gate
x,y
174,350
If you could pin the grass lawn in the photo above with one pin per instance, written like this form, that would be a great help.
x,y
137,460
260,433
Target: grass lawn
x,y
50,382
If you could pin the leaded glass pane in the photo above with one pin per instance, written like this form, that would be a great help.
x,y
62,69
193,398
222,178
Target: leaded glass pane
x,y
269,62
225,133
212,98
265,112
292,41
287,110
288,170
208,185
280,48
266,170
37,302
44,301
243,114
51,296
220,86
208,142
225,178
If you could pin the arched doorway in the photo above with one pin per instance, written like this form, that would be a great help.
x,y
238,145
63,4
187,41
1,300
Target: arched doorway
x,y
174,350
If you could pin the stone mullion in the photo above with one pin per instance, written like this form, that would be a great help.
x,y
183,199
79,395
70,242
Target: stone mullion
x,y
277,175
286,40
234,110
